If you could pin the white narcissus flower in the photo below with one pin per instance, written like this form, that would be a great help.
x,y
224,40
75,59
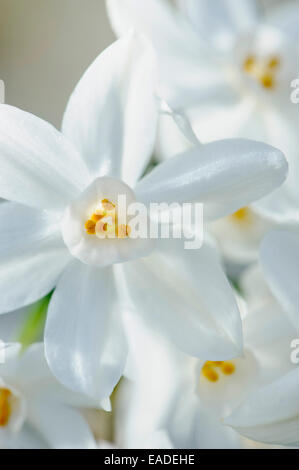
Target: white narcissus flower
x,y
35,410
59,181
197,403
271,413
230,69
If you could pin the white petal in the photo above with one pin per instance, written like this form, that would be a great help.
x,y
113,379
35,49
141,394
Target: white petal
x,y
27,438
285,17
254,287
269,334
271,413
111,116
277,127
38,166
224,175
61,426
221,21
78,330
282,132
186,65
280,263
211,434
147,402
32,255
185,295
35,378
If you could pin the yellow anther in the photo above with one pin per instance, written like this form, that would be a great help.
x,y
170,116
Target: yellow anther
x,y
96,217
103,222
228,368
107,205
261,70
242,215
210,373
5,406
249,63
267,80
90,227
273,62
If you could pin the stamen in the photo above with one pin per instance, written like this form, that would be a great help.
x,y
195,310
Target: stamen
x,y
249,63
107,205
90,227
228,368
273,62
242,215
5,406
267,80
103,222
261,70
96,217
209,372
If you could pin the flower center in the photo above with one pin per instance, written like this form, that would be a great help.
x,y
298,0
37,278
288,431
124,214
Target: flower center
x,y
213,369
264,71
5,406
104,222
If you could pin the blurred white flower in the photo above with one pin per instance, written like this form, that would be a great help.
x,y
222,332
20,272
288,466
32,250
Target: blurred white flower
x,y
35,410
270,414
197,403
230,69
48,233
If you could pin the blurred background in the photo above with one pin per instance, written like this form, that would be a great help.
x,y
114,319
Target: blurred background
x,y
45,46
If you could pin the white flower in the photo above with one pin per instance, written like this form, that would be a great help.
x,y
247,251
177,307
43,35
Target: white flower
x,y
35,411
230,69
270,414
59,182
197,402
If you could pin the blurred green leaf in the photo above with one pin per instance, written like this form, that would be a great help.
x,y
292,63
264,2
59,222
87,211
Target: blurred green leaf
x,y
33,327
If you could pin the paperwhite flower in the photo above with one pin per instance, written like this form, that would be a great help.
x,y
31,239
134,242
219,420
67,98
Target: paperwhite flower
x,y
197,403
230,68
35,410
59,182
270,414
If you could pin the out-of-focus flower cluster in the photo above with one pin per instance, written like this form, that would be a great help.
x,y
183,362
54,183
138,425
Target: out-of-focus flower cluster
x,y
126,322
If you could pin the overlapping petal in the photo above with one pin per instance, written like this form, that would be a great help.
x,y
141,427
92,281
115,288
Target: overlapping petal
x,y
111,116
271,413
285,17
187,68
38,166
30,244
280,263
62,427
224,175
185,294
221,21
78,330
